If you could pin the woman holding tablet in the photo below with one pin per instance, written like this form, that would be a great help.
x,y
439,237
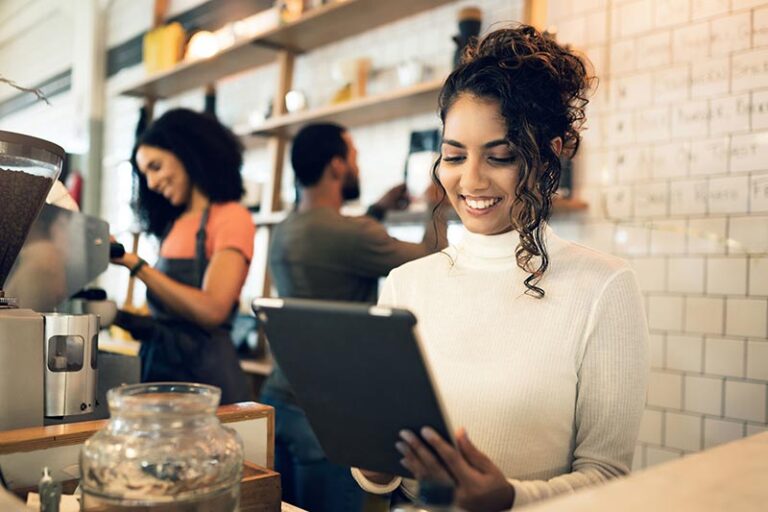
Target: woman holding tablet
x,y
537,345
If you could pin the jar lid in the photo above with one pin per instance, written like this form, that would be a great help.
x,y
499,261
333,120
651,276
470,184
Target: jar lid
x,y
174,398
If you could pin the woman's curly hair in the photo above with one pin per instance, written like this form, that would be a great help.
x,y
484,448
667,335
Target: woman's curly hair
x,y
541,88
211,154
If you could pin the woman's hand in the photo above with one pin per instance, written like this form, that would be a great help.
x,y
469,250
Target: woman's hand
x,y
480,484
128,260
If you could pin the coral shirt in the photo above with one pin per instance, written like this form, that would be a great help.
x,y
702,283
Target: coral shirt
x,y
229,227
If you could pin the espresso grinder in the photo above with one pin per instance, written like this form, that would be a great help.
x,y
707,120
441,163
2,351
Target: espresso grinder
x,y
48,361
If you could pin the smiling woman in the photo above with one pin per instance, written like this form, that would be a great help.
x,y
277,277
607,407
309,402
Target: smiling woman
x,y
538,346
479,167
528,95
165,174
187,168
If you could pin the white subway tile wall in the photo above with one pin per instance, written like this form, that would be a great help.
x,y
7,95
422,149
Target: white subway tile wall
x,y
657,349
638,459
668,237
758,275
651,273
758,193
660,455
686,275
721,431
709,156
692,215
724,357
665,389
746,317
729,195
745,400
665,313
730,114
704,315
704,395
757,360
759,109
685,353
652,427
760,27
707,236
727,276
688,197
683,431
748,234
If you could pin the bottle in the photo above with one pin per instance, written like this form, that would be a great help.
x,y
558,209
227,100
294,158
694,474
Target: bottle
x,y
470,20
433,497
50,493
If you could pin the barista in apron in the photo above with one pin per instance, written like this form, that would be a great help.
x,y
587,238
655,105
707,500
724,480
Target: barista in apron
x,y
179,350
187,167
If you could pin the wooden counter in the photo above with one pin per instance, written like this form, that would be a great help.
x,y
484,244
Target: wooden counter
x,y
733,476
23,452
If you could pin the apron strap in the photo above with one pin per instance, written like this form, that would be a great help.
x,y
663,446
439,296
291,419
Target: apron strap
x,y
201,261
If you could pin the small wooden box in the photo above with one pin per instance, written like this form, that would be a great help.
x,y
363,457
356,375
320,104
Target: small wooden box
x,y
260,489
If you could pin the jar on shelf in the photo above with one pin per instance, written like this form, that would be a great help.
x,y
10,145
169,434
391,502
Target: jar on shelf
x,y
162,450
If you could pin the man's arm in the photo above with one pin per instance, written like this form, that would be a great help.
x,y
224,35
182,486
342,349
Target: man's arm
x,y
374,252
396,198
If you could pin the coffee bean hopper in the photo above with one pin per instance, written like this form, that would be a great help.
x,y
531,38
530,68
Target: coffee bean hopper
x,y
47,360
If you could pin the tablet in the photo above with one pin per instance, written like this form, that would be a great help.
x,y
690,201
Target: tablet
x,y
359,373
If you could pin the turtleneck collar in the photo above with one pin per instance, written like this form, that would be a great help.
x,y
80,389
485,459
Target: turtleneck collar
x,y
498,251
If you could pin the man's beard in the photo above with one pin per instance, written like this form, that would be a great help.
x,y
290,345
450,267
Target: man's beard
x,y
350,190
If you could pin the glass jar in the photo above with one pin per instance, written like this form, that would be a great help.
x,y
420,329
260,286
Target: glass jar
x,y
163,450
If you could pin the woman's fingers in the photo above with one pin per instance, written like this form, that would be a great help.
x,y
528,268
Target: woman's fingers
x,y
422,462
412,462
471,453
451,456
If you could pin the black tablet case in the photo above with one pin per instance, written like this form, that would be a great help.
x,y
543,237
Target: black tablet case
x,y
358,373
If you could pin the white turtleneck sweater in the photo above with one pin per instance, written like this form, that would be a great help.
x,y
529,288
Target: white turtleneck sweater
x,y
551,389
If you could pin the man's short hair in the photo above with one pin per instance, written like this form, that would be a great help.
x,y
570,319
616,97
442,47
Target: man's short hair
x,y
313,149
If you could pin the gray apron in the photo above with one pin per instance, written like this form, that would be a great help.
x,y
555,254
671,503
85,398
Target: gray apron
x,y
175,349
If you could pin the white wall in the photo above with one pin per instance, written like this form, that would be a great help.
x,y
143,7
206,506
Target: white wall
x,y
36,43
675,167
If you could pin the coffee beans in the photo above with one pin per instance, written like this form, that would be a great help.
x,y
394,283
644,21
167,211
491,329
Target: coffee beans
x,y
21,197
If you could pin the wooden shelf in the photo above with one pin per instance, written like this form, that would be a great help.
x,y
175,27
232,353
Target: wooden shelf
x,y
402,102
419,215
320,26
191,75
38,438
568,205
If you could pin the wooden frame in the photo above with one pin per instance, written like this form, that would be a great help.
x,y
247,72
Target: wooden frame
x,y
41,438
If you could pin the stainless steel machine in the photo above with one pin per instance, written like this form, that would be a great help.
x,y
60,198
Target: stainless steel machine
x,y
48,361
